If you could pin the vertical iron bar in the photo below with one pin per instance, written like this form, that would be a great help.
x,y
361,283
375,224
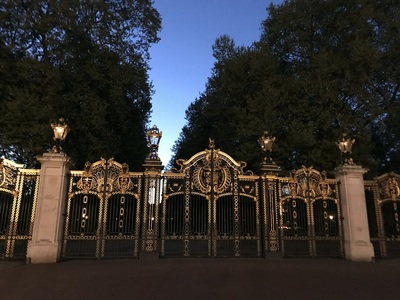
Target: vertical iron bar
x,y
214,226
102,215
310,218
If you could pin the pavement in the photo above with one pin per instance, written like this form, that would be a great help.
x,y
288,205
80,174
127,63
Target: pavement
x,y
293,278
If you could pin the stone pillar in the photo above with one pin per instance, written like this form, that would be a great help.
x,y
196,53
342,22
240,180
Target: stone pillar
x,y
45,246
357,242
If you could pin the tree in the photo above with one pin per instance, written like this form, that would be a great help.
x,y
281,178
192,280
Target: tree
x,y
344,47
320,68
84,60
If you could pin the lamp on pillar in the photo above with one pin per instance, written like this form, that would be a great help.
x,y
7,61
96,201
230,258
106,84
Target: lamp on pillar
x,y
345,145
268,166
266,141
60,130
153,163
153,137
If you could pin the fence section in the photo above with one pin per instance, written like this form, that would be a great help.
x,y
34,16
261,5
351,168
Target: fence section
x,y
208,208
18,197
383,209
310,215
103,212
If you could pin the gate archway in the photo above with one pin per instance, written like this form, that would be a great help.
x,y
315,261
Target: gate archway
x,y
210,208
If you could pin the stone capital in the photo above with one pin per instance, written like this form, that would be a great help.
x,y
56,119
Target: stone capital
x,y
55,158
350,169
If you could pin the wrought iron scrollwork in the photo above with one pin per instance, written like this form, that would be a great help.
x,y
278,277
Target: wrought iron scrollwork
x,y
389,186
8,173
308,183
106,176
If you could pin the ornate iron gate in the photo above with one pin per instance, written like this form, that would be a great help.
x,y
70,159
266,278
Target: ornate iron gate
x,y
210,208
383,208
18,196
103,212
310,216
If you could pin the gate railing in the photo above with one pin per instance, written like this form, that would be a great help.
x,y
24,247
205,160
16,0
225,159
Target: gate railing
x,y
18,197
310,214
383,209
103,212
112,212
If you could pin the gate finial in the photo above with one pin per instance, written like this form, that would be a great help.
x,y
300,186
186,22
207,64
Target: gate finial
x,y
211,143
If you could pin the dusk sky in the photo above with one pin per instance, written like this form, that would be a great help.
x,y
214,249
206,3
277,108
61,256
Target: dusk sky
x,y
182,61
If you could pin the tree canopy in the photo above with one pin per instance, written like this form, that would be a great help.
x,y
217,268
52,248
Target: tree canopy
x,y
319,69
86,61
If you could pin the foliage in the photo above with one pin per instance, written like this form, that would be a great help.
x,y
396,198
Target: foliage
x,y
86,61
320,68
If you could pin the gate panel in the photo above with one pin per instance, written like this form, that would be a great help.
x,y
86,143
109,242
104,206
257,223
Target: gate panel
x,y
391,226
82,223
18,196
310,216
377,242
327,228
121,226
383,204
103,212
6,204
249,227
294,227
173,218
226,217
200,244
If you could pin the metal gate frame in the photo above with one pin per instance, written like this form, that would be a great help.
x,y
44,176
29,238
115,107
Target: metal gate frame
x,y
310,222
103,214
20,187
383,208
210,177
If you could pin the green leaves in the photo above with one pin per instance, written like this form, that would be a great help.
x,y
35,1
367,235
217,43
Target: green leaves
x,y
84,60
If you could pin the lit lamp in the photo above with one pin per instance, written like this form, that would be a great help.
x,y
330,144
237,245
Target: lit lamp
x,y
266,141
153,137
345,145
60,130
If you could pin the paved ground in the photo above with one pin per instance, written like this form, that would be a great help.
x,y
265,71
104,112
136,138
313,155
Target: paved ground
x,y
201,279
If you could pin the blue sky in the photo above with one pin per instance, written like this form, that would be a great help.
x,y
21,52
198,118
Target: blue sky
x,y
182,61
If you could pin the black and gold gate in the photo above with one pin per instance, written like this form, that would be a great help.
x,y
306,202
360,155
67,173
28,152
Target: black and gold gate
x,y
210,208
310,214
18,197
103,212
383,208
